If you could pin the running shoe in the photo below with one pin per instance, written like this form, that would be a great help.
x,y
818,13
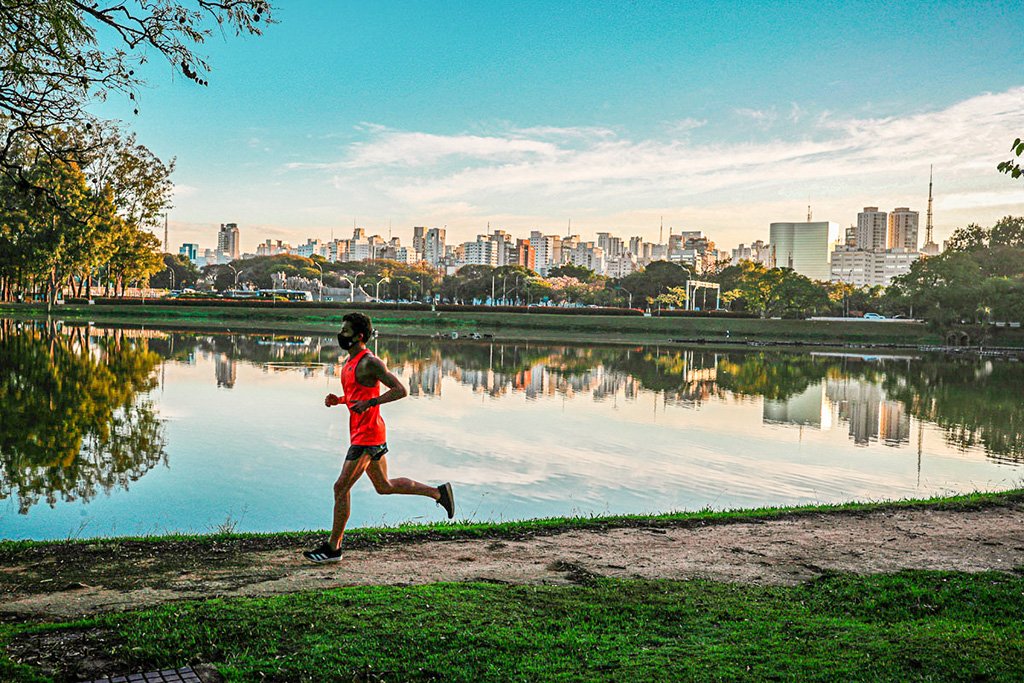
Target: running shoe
x,y
447,500
322,553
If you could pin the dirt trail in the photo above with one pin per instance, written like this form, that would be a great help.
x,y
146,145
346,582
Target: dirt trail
x,y
774,551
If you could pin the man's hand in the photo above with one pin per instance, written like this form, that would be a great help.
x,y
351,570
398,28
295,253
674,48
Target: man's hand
x,y
333,400
361,406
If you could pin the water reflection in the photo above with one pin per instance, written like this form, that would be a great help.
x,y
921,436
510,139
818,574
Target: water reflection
x,y
79,415
977,402
72,421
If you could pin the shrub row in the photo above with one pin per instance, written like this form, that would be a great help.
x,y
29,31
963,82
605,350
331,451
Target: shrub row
x,y
374,306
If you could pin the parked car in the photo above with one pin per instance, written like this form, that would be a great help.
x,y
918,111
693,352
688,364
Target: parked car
x,y
873,316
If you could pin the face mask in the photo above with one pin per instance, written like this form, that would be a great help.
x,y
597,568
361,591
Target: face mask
x,y
345,342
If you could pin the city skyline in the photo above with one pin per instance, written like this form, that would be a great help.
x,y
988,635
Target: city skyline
x,y
528,117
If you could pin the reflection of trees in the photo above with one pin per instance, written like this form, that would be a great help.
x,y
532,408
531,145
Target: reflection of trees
x,y
972,402
71,419
774,376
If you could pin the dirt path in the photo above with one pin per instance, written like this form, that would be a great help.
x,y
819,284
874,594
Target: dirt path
x,y
781,551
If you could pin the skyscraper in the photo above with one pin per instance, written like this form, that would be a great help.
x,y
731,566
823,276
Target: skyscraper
x,y
872,229
903,229
227,240
804,247
433,246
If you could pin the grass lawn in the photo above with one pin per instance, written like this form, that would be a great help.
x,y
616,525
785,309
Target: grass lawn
x,y
907,626
505,325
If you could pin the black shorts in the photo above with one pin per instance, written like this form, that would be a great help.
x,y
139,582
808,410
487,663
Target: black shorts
x,y
375,452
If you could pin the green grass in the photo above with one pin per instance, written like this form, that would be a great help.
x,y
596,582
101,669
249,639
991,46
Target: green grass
x,y
907,626
546,327
368,536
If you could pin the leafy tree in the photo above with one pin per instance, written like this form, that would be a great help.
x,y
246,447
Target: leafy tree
x,y
655,279
74,420
675,297
968,239
581,273
178,272
59,56
1008,232
1011,166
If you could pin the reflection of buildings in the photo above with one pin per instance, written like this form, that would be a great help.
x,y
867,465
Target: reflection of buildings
x,y
226,369
869,413
806,409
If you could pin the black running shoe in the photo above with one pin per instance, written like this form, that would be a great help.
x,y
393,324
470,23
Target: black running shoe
x,y
447,500
322,553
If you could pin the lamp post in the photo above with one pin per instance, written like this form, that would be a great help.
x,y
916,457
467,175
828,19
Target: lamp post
x,y
351,288
235,271
630,294
321,279
376,294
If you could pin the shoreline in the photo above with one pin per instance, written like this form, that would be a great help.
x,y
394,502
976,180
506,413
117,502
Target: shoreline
x,y
369,537
949,565
708,332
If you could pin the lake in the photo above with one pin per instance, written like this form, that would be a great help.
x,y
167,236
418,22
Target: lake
x,y
110,431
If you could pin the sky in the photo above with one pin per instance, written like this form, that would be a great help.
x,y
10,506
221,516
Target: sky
x,y
590,116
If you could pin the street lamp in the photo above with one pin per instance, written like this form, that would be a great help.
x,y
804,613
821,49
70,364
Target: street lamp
x,y
630,304
351,288
321,279
235,271
376,293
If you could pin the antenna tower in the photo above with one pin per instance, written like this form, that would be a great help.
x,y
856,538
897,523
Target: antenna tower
x,y
661,231
928,225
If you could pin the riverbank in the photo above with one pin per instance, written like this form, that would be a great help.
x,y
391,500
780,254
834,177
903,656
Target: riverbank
x,y
886,591
516,326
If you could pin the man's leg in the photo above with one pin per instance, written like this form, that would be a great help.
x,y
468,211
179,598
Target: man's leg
x,y
378,473
350,473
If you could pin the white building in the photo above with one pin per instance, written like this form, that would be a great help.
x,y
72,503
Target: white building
x,y
804,247
872,229
483,252
434,246
758,252
544,252
870,267
227,240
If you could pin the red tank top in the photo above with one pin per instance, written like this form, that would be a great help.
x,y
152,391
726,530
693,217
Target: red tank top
x,y
366,428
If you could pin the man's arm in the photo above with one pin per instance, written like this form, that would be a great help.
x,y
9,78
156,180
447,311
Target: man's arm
x,y
376,370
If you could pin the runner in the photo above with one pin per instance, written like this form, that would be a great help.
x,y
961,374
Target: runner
x,y
361,377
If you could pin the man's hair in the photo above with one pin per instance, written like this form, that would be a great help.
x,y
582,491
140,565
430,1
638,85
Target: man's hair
x,y
360,325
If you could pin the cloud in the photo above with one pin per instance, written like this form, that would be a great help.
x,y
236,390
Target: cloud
x,y
578,171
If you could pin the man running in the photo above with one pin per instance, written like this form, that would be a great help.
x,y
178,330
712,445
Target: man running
x,y
361,377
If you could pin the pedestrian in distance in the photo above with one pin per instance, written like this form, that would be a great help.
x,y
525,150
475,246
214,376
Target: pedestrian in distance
x,y
361,377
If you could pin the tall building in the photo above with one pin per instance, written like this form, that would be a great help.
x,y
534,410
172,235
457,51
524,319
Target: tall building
x,y
544,252
903,229
872,229
526,255
433,246
190,251
227,240
758,252
418,239
804,247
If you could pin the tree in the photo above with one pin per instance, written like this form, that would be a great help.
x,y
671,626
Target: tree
x,y
655,279
968,239
178,272
1010,166
581,273
59,56
1008,232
